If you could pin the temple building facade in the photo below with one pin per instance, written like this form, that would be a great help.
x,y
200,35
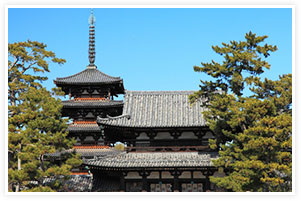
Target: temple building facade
x,y
164,138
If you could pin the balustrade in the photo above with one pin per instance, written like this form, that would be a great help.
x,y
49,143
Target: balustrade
x,y
166,148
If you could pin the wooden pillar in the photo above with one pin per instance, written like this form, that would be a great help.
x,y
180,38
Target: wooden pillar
x,y
82,139
69,93
144,175
90,91
96,138
207,173
151,134
176,186
109,94
122,181
104,137
136,135
176,134
96,179
207,184
200,134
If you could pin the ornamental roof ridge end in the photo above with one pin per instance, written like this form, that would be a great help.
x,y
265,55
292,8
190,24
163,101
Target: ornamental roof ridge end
x,y
92,66
99,119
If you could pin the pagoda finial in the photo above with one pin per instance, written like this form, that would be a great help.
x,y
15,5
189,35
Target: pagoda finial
x,y
91,41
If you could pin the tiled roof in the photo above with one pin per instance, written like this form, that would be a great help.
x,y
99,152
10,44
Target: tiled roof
x,y
154,159
88,152
76,183
83,128
91,104
91,147
97,152
88,76
157,109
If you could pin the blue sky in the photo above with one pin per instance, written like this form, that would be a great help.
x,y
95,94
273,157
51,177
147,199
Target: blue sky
x,y
151,49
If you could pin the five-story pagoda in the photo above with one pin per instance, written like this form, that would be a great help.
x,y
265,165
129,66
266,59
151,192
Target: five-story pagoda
x,y
91,94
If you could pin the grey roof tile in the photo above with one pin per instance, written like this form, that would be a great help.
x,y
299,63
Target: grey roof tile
x,y
76,183
157,109
154,159
88,76
83,128
91,104
87,152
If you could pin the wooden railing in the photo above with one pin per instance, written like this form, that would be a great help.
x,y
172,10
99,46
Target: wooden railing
x,y
84,122
90,99
166,148
80,173
90,147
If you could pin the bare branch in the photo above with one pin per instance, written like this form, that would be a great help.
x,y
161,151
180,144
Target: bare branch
x,y
26,68
14,63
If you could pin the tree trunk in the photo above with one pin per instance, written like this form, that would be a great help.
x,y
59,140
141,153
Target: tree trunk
x,y
19,168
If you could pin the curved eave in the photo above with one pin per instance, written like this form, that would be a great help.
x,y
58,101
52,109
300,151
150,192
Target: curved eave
x,y
102,152
79,129
67,85
63,83
155,160
188,128
113,123
91,104
147,167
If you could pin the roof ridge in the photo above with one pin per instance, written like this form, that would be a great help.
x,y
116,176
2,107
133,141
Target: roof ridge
x,y
160,92
70,76
88,69
107,74
93,101
111,118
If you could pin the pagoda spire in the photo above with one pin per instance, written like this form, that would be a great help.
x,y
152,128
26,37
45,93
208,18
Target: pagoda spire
x,y
91,41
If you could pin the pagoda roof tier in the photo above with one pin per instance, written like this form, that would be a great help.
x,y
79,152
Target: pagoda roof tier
x,y
91,104
87,152
89,76
157,109
154,160
75,128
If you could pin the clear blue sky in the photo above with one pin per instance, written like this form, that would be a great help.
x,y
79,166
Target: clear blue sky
x,y
151,49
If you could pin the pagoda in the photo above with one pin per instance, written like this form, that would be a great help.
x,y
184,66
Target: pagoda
x,y
91,94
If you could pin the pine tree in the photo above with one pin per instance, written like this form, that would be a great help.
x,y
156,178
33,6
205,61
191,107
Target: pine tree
x,y
254,132
35,125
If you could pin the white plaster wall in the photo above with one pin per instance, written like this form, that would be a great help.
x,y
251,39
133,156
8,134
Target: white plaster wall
x,y
208,135
188,135
89,138
133,175
142,136
163,136
198,175
185,175
154,175
166,175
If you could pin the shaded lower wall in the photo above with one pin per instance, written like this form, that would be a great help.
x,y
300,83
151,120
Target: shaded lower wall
x,y
154,181
106,182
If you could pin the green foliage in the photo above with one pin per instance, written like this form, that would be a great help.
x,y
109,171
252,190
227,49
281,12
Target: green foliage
x,y
254,133
27,61
242,63
35,125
